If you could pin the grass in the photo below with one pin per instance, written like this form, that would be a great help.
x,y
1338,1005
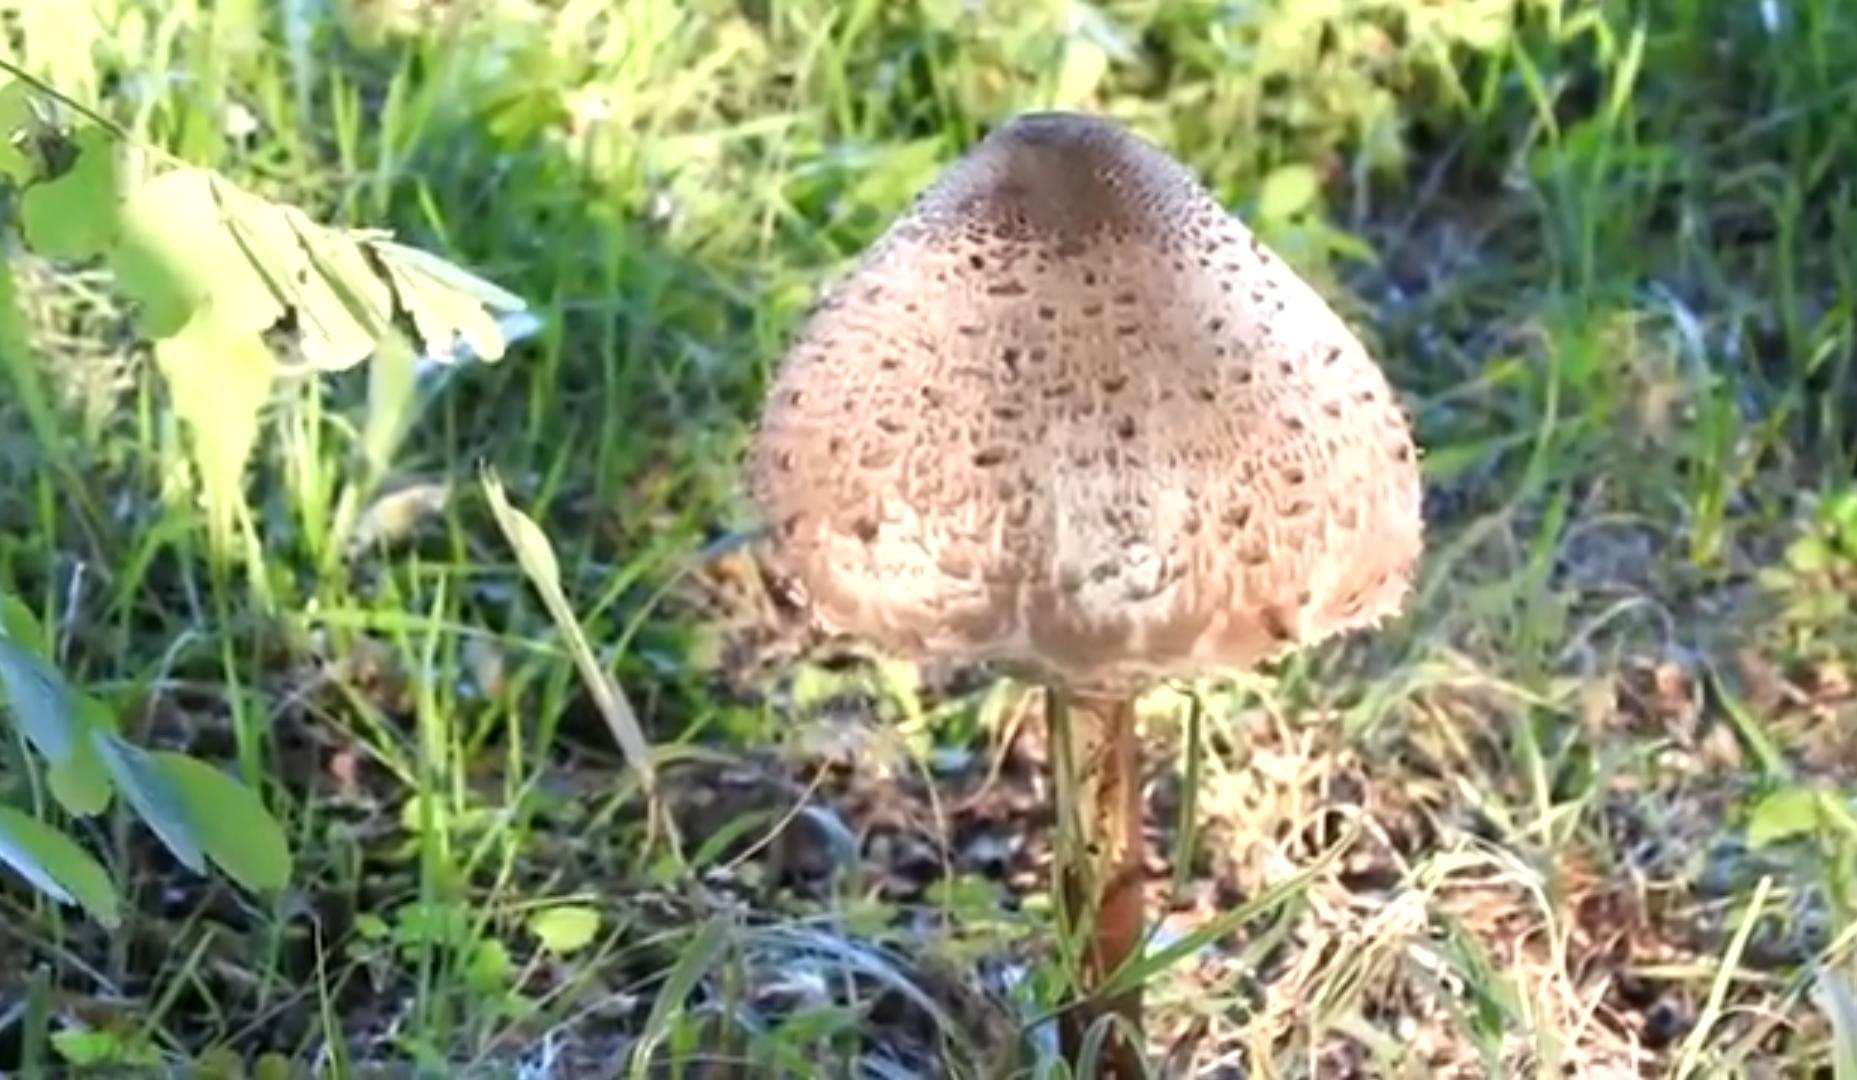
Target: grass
x,y
1586,808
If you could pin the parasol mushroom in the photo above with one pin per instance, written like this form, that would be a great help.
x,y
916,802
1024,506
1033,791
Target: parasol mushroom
x,y
1071,418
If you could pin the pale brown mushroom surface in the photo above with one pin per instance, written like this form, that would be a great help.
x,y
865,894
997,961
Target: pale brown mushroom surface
x,y
1070,416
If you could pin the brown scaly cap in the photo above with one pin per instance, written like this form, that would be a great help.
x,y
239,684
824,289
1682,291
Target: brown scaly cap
x,y
1070,416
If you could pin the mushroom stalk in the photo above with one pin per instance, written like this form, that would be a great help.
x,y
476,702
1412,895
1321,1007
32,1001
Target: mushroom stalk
x,y
1098,864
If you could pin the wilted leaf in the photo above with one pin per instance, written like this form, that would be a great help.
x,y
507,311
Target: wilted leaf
x,y
566,929
344,305
1783,814
231,822
534,553
395,515
220,379
1287,191
444,316
537,558
75,215
55,865
449,276
153,795
264,233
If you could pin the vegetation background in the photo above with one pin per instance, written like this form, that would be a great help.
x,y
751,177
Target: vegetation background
x,y
336,754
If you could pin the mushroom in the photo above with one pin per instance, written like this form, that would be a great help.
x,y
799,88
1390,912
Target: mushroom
x,y
1069,417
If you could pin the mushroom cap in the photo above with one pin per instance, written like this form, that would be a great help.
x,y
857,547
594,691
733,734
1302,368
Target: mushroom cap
x,y
1069,416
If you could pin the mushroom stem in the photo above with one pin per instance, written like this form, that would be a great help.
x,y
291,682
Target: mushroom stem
x,y
1099,859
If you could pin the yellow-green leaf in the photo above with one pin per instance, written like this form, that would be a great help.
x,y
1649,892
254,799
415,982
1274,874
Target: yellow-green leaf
x,y
220,378
1084,65
232,824
565,929
393,399
489,968
75,215
54,864
1287,191
263,231
177,255
1783,814
61,39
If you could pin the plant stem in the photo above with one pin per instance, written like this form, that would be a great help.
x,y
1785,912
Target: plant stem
x,y
1096,775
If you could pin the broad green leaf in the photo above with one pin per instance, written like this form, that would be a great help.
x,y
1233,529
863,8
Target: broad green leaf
x,y
177,255
231,822
1841,514
18,622
55,865
156,799
1287,191
565,929
1783,814
220,378
106,1051
40,701
55,719
345,306
15,123
76,215
489,968
80,783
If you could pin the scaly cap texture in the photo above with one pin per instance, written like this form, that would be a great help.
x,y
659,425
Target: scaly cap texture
x,y
1071,416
